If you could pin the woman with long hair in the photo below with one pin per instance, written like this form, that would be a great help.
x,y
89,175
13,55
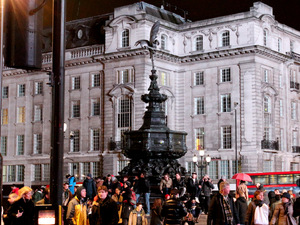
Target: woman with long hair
x,y
156,218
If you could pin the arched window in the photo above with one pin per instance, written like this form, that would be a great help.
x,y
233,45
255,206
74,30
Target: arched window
x,y
265,37
164,41
125,38
267,117
199,43
225,38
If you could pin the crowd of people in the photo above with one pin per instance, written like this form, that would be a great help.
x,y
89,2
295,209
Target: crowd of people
x,y
109,201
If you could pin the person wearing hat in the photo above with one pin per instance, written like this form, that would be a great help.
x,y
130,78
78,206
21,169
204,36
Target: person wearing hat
x,y
173,210
284,211
90,186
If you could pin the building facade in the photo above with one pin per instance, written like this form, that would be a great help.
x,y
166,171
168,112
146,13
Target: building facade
x,y
232,84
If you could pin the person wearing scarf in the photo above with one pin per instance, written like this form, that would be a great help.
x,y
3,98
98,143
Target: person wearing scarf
x,y
284,211
222,209
77,208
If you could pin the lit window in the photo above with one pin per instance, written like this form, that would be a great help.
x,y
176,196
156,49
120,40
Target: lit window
x,y
37,143
21,90
163,79
199,105
75,109
226,137
225,75
75,83
20,145
95,140
164,41
95,107
5,92
199,142
226,103
96,80
199,78
199,43
21,114
225,39
4,116
125,38
75,141
38,113
38,88
4,145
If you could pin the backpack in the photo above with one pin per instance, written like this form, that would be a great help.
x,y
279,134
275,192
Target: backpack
x,y
133,198
261,214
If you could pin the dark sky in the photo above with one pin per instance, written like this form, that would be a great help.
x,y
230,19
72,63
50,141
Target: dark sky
x,y
285,11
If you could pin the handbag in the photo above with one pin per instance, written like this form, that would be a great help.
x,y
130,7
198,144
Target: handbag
x,y
261,214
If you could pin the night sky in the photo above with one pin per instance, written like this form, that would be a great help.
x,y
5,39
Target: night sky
x,y
285,11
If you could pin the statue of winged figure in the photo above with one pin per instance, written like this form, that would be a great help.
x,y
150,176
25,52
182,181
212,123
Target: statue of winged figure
x,y
152,43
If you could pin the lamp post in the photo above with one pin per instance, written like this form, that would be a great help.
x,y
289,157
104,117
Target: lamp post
x,y
203,163
235,139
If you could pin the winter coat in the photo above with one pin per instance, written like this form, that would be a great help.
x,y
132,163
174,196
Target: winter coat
x,y
133,218
192,186
165,184
119,200
37,196
241,208
216,213
156,218
249,220
173,211
297,208
104,212
142,186
207,186
178,183
72,184
90,187
282,217
27,218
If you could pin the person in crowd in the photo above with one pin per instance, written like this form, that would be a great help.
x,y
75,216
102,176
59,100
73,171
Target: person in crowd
x,y
143,188
38,194
104,209
46,199
90,186
222,179
99,182
261,187
284,211
173,210
257,204
115,184
8,217
241,207
277,201
194,211
23,208
14,189
222,209
118,198
72,183
77,208
193,187
296,209
137,216
207,186
156,218
109,184
292,196
66,198
165,185
271,196
127,202
243,190
179,184
277,192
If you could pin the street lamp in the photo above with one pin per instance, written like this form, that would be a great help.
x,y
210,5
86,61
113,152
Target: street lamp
x,y
202,164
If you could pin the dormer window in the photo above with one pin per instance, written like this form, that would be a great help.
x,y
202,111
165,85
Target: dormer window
x,y
225,38
125,38
198,43
265,37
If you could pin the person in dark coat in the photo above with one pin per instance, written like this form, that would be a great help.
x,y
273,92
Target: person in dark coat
x,y
179,184
173,210
23,208
143,188
296,208
156,218
241,207
109,184
104,209
207,186
7,215
222,210
90,186
127,205
193,187
46,199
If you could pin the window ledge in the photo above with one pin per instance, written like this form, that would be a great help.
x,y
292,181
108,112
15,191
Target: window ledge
x,y
197,51
195,86
74,118
225,150
123,48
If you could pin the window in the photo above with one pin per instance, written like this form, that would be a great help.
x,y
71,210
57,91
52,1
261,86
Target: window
x,y
199,135
295,138
280,81
267,118
37,143
293,76
226,103
75,83
37,172
96,169
225,75
198,78
125,38
75,109
213,170
123,77
75,141
294,110
225,168
122,164
281,139
266,76
226,137
95,140
95,107
96,80
38,113
164,41
4,120
124,115
281,107
85,168
21,114
163,79
74,169
291,45
279,45
268,166
4,145
41,172
38,88
199,105
190,167
198,43
21,90
46,172
294,166
225,39
20,144
13,173
5,92
265,40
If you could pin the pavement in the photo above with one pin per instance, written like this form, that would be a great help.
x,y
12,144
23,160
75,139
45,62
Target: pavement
x,y
201,221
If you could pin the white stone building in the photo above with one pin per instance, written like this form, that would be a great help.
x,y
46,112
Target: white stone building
x,y
244,66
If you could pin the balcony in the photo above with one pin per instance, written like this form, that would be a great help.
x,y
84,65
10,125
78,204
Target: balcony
x,y
271,145
115,145
295,149
294,85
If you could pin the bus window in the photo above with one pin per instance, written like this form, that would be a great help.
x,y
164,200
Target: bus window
x,y
273,179
285,179
263,179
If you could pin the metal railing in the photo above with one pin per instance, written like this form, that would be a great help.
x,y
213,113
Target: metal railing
x,y
296,149
268,144
294,85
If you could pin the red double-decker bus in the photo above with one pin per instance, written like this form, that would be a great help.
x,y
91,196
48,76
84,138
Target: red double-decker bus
x,y
288,180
